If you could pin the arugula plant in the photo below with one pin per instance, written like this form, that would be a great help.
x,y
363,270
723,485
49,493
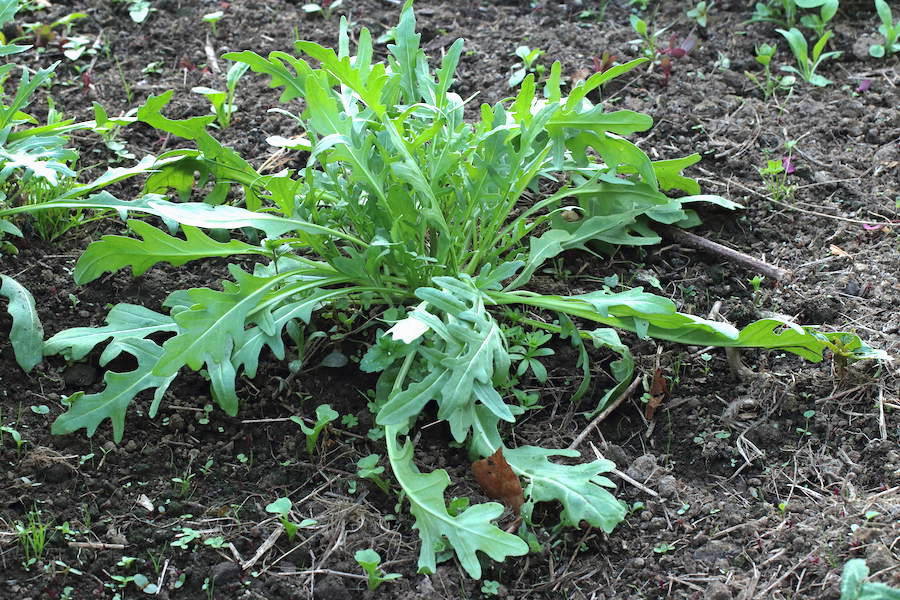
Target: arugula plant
x,y
855,587
888,29
404,207
808,63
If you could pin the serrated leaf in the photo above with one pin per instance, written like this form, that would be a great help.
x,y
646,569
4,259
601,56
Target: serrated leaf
x,y
210,328
114,252
409,402
576,487
26,334
468,533
123,321
89,411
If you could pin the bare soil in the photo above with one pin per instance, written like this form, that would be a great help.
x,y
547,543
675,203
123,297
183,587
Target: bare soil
x,y
755,488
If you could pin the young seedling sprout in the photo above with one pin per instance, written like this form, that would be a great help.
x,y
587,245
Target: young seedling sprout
x,y
213,19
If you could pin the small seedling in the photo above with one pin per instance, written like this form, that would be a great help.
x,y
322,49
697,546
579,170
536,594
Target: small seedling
x,y
889,29
677,49
769,83
527,56
664,548
370,561
490,587
325,8
700,13
368,468
648,40
282,508
32,536
324,415
808,414
806,63
184,537
183,483
756,282
213,19
222,103
528,352
774,176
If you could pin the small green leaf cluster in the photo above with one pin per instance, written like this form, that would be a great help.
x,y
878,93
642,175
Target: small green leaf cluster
x,y
700,12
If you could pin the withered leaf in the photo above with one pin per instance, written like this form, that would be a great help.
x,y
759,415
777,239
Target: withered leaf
x,y
498,481
658,389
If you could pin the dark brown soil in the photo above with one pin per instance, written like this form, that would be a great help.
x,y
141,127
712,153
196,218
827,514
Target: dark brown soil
x,y
761,488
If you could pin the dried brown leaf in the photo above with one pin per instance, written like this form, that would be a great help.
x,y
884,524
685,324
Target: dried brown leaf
x,y
658,391
498,481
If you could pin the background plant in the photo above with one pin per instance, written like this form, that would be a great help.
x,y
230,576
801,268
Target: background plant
x,y
786,12
436,224
808,63
888,29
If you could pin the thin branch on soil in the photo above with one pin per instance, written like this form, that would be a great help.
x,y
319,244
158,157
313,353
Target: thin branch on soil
x,y
623,476
96,545
606,412
792,207
753,264
322,572
264,547
786,574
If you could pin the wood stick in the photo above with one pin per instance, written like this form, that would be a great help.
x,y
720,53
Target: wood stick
x,y
606,412
753,264
96,545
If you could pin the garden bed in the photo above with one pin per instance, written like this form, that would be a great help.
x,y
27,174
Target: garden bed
x,y
756,487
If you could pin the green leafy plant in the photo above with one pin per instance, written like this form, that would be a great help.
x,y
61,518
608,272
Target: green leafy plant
x,y
855,587
436,224
368,468
223,105
769,83
324,415
785,13
700,13
370,561
528,57
889,29
808,63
